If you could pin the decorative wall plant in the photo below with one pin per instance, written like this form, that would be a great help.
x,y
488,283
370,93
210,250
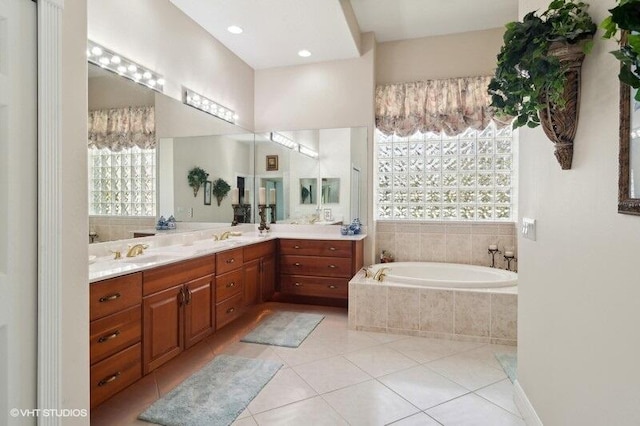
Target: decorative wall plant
x,y
537,79
625,18
220,189
197,177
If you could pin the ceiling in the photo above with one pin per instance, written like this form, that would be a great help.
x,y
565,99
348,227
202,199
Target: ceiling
x,y
275,30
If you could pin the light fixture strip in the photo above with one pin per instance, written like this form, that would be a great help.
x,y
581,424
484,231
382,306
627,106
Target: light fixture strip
x,y
308,152
205,104
114,62
283,140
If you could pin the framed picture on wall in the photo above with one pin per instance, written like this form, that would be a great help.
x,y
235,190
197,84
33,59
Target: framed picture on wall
x,y
272,163
207,193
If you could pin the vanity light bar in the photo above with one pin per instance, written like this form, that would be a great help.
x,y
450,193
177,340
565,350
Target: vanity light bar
x,y
205,104
283,140
308,152
114,62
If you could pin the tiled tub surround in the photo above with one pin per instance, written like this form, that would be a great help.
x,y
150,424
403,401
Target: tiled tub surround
x,y
451,242
111,228
479,315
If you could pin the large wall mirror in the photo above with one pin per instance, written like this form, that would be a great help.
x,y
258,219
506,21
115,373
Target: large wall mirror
x,y
184,138
318,175
629,178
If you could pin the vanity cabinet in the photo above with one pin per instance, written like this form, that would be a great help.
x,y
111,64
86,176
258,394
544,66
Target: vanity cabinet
x,y
259,272
178,308
229,286
318,268
115,335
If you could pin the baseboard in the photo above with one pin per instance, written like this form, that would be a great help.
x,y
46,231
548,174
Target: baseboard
x,y
524,405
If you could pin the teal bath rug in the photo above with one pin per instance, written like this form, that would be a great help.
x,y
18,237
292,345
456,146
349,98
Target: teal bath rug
x,y
287,329
509,363
215,395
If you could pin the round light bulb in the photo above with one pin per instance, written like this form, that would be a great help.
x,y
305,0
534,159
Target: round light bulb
x,y
132,68
147,75
122,69
137,76
161,81
234,29
104,61
96,50
152,82
88,53
304,53
115,59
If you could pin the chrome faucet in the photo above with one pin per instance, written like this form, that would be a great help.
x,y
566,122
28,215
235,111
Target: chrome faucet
x,y
136,250
380,274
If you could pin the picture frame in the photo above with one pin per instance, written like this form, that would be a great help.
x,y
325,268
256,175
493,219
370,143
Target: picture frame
x,y
272,163
207,192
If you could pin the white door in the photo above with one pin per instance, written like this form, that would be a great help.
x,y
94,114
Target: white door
x,y
18,209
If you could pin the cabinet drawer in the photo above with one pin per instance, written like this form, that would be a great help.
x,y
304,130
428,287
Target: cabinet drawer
x,y
229,284
256,251
317,266
229,260
115,294
164,277
115,373
316,248
228,310
111,334
315,286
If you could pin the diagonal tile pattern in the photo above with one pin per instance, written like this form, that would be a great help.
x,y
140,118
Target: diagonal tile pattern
x,y
344,377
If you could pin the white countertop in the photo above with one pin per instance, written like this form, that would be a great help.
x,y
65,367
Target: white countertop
x,y
104,266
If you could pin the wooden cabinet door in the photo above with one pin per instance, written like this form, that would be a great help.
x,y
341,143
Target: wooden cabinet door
x,y
252,282
198,310
163,333
268,278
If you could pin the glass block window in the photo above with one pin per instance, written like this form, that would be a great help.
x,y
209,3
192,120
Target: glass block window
x,y
122,183
432,176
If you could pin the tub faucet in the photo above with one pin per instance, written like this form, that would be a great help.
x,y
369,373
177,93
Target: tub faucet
x,y
226,234
136,250
367,272
380,274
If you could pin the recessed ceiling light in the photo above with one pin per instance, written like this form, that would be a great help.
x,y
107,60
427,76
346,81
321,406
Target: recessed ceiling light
x,y
234,29
304,53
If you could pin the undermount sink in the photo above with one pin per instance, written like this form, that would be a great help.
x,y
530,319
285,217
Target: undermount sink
x,y
150,258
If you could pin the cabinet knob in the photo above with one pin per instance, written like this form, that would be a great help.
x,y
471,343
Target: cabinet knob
x,y
297,264
230,260
231,284
332,248
298,285
188,295
109,379
296,247
109,336
332,266
109,298
230,310
332,286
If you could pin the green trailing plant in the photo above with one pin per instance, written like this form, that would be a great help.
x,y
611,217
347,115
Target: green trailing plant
x,y
220,189
527,75
625,19
197,177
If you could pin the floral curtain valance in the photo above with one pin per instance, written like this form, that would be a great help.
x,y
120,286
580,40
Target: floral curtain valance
x,y
122,128
450,106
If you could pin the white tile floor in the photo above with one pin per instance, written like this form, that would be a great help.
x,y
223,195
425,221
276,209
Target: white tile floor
x,y
344,377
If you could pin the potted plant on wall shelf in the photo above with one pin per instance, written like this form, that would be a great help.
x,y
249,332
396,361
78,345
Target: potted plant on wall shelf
x,y
197,177
220,189
626,18
537,79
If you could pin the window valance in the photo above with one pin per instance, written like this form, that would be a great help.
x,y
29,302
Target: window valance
x,y
122,128
450,105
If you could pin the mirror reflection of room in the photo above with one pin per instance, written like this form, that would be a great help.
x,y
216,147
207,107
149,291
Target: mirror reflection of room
x,y
634,148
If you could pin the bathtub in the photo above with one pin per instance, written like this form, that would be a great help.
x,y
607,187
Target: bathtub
x,y
440,300
445,275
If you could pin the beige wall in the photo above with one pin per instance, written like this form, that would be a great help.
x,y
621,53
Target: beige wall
x,y
75,291
430,58
578,283
158,35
